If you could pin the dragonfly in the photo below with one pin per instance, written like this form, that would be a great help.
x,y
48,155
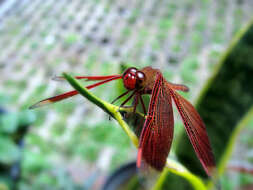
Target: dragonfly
x,y
157,133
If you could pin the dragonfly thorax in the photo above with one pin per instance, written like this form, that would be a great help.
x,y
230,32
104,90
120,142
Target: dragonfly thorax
x,y
133,79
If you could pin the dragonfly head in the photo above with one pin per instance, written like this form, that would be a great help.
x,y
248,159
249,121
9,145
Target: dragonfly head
x,y
133,79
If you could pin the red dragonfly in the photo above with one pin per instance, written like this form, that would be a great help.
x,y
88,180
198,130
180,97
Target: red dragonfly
x,y
157,132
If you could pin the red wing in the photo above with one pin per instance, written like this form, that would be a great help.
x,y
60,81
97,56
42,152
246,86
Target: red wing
x,y
72,93
196,131
88,78
54,99
157,133
179,87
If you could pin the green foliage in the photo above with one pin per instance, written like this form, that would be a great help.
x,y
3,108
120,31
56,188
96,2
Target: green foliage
x,y
9,152
12,129
221,109
9,123
5,183
246,179
3,186
4,99
34,163
173,181
25,118
188,68
227,183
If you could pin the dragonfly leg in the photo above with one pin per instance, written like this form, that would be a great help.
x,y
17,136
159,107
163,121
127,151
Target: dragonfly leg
x,y
125,93
136,101
143,105
121,105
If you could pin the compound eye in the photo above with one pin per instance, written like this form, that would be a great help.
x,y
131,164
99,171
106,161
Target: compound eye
x,y
140,75
130,70
140,79
129,78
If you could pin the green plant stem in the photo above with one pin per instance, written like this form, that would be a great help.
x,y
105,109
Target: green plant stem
x,y
126,128
178,169
114,111
107,107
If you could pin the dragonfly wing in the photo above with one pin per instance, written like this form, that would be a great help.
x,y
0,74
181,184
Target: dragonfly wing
x,y
88,78
196,131
157,132
179,87
74,92
54,99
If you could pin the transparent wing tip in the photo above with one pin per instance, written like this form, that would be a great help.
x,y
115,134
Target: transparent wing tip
x,y
58,78
39,104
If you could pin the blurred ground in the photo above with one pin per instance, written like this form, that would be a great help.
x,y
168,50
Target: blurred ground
x,y
40,39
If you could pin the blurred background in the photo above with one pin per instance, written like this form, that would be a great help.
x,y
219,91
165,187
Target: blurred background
x,y
72,144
